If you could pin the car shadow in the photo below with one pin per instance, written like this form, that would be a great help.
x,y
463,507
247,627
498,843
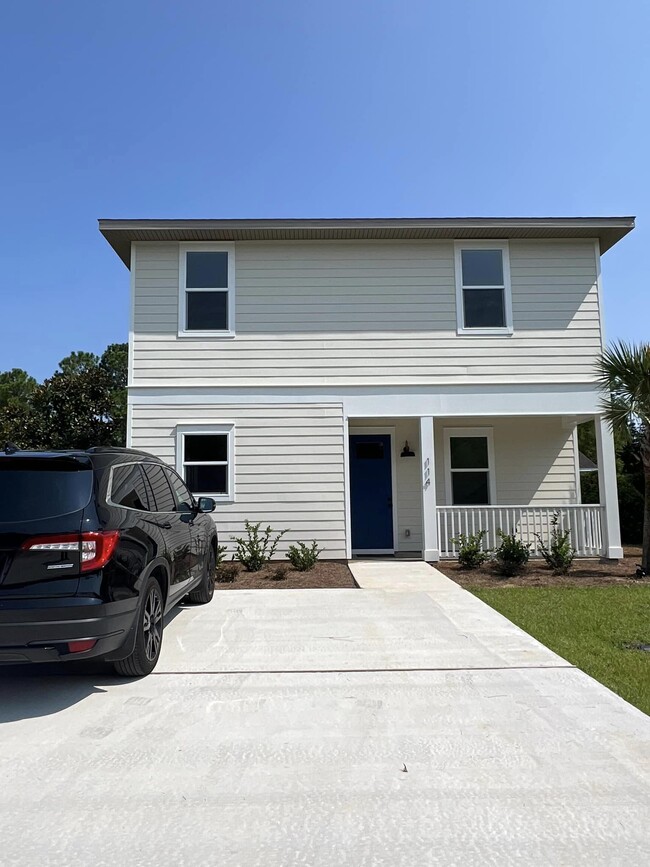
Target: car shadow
x,y
32,691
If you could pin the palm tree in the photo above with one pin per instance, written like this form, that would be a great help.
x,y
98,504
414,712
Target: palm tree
x,y
623,373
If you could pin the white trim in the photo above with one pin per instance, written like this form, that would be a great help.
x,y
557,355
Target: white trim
x,y
461,329
576,465
599,294
483,432
576,400
346,487
215,247
378,431
198,428
608,490
130,349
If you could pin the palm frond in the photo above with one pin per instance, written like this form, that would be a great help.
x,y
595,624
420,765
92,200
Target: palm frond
x,y
623,377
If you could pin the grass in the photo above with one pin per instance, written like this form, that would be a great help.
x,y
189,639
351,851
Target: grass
x,y
589,627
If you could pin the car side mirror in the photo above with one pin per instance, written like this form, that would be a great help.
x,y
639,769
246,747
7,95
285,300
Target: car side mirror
x,y
206,504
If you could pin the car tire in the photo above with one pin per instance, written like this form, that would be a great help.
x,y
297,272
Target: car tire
x,y
202,594
149,632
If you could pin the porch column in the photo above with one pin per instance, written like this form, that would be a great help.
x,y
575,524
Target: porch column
x,y
431,549
608,490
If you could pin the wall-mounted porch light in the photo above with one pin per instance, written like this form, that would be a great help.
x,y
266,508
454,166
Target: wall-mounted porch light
x,y
407,452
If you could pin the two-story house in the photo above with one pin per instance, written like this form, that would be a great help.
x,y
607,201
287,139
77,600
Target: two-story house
x,y
376,385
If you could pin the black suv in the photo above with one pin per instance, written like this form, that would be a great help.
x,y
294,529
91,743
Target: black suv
x,y
95,547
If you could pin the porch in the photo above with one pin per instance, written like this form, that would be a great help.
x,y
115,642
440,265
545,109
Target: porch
x,y
415,484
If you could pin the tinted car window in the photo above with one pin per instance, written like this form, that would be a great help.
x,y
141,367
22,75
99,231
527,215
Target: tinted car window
x,y
184,500
164,499
128,488
33,490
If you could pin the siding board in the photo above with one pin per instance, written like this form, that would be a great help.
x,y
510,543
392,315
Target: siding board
x,y
362,313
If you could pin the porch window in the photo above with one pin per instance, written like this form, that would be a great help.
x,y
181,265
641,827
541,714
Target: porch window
x,y
204,459
207,287
469,464
483,288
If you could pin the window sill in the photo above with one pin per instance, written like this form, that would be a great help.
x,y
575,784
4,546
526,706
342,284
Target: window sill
x,y
201,335
485,332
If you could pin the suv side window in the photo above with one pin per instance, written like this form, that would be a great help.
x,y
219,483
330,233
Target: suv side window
x,y
160,487
128,488
184,500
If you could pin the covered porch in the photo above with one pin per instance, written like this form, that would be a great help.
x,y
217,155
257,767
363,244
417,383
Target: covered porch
x,y
415,483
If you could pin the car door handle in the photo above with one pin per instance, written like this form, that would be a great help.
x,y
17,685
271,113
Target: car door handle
x,y
165,525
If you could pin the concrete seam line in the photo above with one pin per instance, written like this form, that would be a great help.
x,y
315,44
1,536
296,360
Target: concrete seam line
x,y
368,670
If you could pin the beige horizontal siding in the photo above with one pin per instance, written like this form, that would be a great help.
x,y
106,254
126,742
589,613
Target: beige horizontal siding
x,y
289,469
363,313
534,459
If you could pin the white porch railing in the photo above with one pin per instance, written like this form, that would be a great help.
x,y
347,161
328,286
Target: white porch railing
x,y
585,523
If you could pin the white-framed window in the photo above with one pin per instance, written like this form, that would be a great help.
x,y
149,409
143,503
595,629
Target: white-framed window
x,y
469,466
205,459
206,304
483,293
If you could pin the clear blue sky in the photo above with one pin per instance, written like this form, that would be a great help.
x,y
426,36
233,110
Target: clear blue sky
x,y
276,108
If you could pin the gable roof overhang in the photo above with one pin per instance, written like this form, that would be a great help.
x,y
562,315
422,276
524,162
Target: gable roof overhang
x,y
121,233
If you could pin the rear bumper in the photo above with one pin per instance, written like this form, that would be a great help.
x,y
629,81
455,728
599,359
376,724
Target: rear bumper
x,y
39,634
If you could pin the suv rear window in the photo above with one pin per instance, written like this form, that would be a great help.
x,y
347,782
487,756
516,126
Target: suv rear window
x,y
31,490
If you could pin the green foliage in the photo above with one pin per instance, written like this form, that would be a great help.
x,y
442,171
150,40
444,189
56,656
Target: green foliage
x,y
256,548
303,557
559,552
512,554
226,573
82,405
471,553
280,572
16,387
623,373
220,556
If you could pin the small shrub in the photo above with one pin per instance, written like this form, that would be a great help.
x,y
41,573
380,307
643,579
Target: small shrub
x,y
512,554
220,557
559,553
226,573
280,572
471,554
256,548
303,557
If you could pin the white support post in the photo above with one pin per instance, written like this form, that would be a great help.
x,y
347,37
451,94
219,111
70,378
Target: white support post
x,y
608,490
431,549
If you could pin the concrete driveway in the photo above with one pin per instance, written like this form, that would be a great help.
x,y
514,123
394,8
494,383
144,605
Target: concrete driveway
x,y
407,724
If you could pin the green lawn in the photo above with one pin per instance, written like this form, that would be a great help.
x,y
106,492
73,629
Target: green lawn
x,y
587,626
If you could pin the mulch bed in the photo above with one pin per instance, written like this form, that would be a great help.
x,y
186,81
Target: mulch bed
x,y
279,575
584,573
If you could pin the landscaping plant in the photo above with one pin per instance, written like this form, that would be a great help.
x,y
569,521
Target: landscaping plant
x,y
624,378
303,557
256,548
471,553
559,553
512,554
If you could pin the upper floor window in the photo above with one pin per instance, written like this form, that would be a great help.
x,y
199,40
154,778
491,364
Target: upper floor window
x,y
207,290
483,295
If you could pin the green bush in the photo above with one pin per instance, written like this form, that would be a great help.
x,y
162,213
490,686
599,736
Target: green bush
x,y
226,573
256,548
512,554
303,557
559,553
471,553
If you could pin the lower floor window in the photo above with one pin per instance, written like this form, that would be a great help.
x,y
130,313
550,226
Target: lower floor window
x,y
468,468
206,461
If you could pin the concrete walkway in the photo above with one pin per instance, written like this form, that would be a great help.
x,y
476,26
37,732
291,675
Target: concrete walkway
x,y
403,725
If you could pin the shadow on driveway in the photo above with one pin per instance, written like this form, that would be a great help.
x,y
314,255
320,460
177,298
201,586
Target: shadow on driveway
x,y
30,691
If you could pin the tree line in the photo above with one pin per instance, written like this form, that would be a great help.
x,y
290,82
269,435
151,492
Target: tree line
x,y
82,404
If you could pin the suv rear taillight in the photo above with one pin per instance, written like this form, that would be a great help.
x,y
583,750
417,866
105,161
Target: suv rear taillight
x,y
96,549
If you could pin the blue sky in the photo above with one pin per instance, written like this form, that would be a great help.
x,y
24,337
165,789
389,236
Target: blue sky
x,y
305,109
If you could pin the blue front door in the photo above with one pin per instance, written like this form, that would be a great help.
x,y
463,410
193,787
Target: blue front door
x,y
371,492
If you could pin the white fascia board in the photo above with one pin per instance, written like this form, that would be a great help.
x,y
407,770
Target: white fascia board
x,y
579,399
